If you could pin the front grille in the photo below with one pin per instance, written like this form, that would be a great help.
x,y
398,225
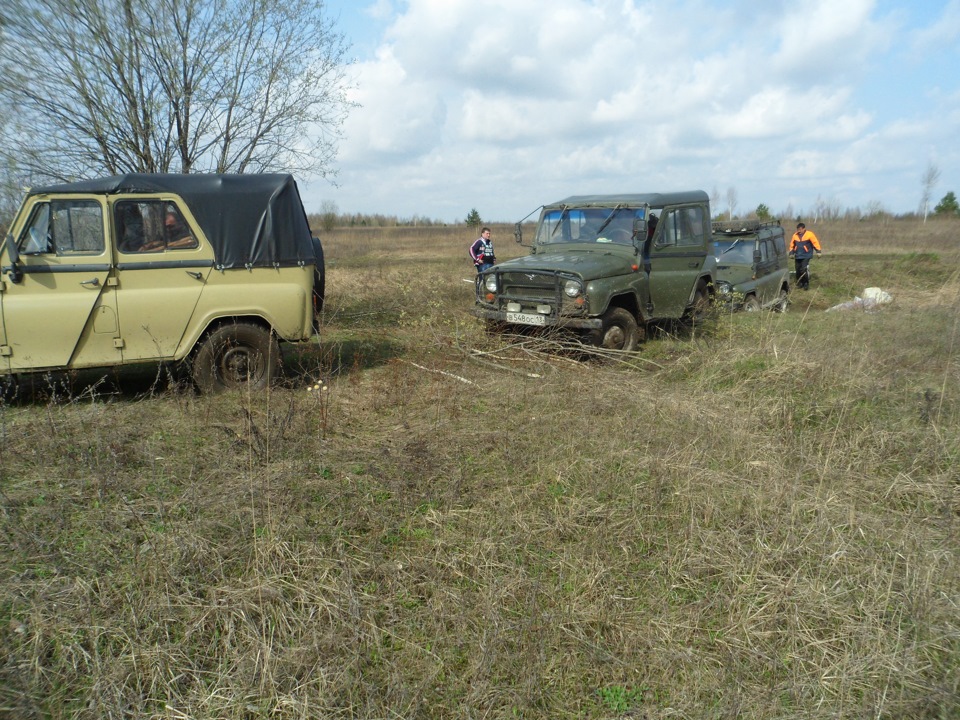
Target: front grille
x,y
536,287
533,286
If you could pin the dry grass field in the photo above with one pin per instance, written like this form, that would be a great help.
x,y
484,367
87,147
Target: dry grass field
x,y
759,518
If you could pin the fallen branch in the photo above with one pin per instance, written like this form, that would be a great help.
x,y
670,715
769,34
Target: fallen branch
x,y
442,372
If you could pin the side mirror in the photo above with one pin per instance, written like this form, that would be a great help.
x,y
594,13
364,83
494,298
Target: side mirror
x,y
518,233
757,257
13,255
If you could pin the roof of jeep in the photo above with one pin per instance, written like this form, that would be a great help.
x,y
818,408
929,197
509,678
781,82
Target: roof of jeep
x,y
734,228
251,220
633,199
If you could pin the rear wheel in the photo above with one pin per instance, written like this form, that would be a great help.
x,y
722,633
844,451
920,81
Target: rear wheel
x,y
239,355
751,304
782,301
618,332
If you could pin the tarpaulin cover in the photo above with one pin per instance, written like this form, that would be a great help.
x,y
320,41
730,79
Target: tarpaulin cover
x,y
251,220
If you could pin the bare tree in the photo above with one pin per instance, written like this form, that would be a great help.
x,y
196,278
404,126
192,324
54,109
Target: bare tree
x,y
731,201
930,177
875,209
827,209
715,201
173,86
328,215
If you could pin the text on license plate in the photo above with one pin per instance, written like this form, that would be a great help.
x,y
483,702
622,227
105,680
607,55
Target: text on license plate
x,y
526,318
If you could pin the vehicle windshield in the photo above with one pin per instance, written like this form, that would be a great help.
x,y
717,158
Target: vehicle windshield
x,y
733,251
588,225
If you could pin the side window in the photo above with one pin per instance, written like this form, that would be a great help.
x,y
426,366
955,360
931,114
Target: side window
x,y
64,227
682,227
37,237
691,224
151,226
781,245
668,229
764,251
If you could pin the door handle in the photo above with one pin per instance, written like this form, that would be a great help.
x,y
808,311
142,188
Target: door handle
x,y
693,264
195,275
95,282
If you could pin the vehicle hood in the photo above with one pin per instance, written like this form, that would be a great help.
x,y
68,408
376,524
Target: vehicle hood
x,y
733,273
588,264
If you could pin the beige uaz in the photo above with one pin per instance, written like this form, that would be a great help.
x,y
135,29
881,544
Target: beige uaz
x,y
211,271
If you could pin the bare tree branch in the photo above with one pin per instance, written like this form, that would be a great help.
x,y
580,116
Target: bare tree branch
x,y
173,86
930,178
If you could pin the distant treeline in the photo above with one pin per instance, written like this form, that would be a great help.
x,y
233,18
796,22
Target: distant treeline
x,y
331,220
328,221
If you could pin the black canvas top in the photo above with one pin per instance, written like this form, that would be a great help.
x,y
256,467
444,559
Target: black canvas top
x,y
251,220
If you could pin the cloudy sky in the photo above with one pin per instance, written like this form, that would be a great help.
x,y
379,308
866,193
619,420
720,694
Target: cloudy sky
x,y
503,105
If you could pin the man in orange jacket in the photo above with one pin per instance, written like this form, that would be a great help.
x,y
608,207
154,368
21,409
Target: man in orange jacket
x,y
803,245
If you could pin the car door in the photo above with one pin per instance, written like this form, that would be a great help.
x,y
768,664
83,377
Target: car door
x,y
163,262
59,304
765,264
677,256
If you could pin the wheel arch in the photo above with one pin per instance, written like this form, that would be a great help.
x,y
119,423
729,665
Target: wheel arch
x,y
628,301
234,353
189,347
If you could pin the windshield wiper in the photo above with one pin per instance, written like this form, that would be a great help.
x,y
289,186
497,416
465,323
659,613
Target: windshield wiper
x,y
609,218
732,246
563,211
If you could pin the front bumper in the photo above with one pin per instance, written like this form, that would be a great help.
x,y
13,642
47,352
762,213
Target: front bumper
x,y
526,293
549,320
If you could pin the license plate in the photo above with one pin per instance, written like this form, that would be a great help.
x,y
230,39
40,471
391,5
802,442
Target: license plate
x,y
526,318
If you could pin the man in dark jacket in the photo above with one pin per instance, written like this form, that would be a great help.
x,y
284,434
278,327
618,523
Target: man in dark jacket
x,y
803,245
481,251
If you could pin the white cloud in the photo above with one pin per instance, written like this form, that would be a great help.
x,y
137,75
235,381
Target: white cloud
x,y
942,34
379,10
503,103
399,116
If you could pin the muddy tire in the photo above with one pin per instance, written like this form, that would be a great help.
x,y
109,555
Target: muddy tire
x,y
619,331
700,307
751,304
239,355
782,301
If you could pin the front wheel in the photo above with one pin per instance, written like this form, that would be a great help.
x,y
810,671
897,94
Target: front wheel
x,y
239,355
618,332
701,303
751,304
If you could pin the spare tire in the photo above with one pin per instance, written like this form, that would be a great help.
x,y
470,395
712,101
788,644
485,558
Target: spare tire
x,y
319,276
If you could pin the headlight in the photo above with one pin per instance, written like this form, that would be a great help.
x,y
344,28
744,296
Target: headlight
x,y
491,282
724,288
572,288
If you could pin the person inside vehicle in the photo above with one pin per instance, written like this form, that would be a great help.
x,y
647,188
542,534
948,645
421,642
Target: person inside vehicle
x,y
130,227
588,231
177,233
